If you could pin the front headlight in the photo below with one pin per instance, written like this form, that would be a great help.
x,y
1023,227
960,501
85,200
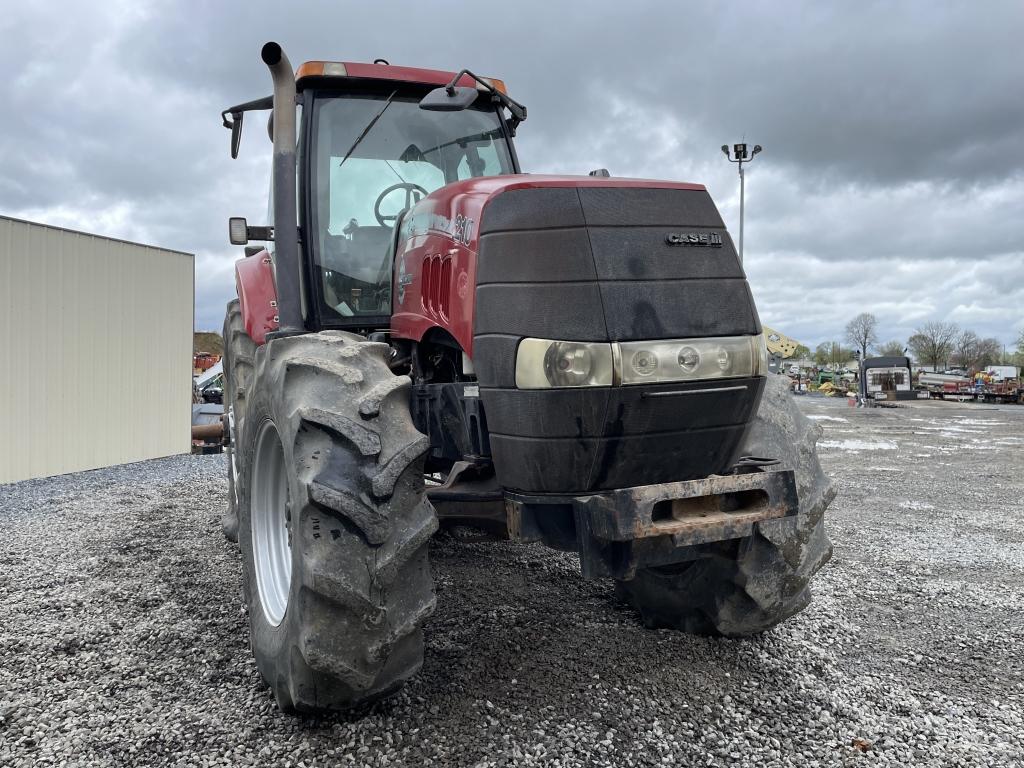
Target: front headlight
x,y
543,363
691,359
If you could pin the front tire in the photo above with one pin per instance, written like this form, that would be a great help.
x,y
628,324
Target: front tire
x,y
334,523
750,585
239,364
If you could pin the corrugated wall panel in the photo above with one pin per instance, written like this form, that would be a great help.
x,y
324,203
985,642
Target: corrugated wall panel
x,y
95,351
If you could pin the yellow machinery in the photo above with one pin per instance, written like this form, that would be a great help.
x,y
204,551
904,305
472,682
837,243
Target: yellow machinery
x,y
779,348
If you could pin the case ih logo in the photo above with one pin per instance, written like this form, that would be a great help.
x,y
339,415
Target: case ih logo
x,y
695,239
404,279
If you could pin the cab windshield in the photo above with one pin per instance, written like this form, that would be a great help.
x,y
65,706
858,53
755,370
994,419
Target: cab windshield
x,y
363,178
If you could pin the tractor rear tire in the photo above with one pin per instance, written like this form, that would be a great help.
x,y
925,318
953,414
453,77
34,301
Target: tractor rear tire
x,y
239,364
752,584
334,523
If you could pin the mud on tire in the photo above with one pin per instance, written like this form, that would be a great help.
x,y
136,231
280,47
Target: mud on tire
x,y
239,364
750,585
360,584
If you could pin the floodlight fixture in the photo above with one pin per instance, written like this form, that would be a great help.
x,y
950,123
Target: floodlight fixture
x,y
740,156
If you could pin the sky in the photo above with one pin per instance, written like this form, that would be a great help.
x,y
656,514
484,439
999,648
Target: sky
x,y
891,181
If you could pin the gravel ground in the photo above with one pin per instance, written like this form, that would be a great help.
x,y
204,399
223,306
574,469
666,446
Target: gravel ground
x,y
123,641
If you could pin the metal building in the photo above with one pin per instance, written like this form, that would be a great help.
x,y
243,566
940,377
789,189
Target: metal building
x,y
95,351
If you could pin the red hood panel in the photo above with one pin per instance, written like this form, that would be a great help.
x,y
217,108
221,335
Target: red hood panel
x,y
435,266
455,209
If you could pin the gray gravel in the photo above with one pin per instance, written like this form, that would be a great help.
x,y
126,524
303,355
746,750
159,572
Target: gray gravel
x,y
123,641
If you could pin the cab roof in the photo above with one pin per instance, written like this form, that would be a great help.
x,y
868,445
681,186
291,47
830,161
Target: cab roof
x,y
339,70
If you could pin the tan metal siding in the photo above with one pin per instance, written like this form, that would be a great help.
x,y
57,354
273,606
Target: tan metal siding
x,y
95,351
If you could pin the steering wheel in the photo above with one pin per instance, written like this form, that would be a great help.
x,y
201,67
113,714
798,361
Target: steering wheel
x,y
413,194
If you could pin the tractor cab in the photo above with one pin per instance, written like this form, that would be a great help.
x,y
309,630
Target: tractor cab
x,y
373,140
373,155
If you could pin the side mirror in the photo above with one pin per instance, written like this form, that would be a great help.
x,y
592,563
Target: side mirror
x,y
455,100
236,113
236,132
238,230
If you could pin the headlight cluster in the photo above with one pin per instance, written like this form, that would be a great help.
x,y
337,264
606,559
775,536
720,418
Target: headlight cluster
x,y
544,363
714,358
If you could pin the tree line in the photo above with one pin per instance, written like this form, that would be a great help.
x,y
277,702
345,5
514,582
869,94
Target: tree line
x,y
936,344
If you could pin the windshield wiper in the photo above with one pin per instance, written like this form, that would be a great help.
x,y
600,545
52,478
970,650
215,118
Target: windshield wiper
x,y
366,130
413,152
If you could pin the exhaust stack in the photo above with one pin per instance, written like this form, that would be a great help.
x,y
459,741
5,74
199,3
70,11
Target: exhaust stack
x,y
286,231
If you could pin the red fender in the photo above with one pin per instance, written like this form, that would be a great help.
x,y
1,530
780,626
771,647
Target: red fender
x,y
257,296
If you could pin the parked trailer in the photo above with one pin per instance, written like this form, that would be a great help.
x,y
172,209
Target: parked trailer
x,y
960,390
950,387
946,386
886,378
999,384
1000,392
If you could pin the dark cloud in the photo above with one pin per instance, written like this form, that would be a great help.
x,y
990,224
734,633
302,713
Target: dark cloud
x,y
891,180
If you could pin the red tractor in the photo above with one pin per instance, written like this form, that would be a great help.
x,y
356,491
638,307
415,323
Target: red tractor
x,y
434,337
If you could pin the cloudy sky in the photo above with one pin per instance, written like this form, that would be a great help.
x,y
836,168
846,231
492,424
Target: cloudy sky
x,y
892,179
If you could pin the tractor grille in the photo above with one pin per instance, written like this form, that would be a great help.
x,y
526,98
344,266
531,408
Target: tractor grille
x,y
596,264
437,285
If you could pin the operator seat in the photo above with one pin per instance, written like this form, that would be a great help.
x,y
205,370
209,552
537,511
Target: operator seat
x,y
355,263
370,246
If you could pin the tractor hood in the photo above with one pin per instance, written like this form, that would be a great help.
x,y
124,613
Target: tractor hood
x,y
496,260
467,200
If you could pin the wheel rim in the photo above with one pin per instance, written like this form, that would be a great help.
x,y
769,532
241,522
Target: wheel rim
x,y
271,539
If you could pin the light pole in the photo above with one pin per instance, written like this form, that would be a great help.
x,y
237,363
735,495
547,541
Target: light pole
x,y
740,157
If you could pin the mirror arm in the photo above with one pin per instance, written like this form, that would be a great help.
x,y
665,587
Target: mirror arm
x,y
237,112
507,125
517,110
267,102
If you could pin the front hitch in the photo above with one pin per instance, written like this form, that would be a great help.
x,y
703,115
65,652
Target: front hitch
x,y
618,531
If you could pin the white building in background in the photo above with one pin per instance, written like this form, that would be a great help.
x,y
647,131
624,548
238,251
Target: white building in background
x,y
95,351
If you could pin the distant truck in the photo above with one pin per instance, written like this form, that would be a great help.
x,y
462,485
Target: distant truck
x,y
1003,372
203,361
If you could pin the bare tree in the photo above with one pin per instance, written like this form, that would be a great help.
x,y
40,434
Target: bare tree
x,y
972,352
892,349
989,352
932,343
860,332
966,349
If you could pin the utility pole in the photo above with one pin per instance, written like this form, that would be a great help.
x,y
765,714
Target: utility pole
x,y
740,157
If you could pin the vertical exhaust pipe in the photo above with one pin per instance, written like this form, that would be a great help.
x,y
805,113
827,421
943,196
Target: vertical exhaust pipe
x,y
286,231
